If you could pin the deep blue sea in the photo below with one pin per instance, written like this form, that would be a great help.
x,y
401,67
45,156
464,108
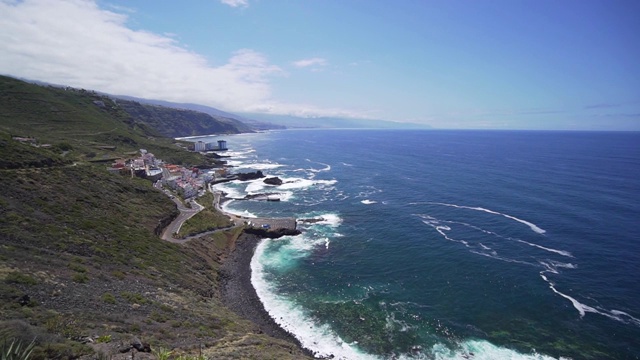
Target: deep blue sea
x,y
450,244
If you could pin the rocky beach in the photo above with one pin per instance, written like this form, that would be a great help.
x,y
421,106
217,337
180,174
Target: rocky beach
x,y
238,294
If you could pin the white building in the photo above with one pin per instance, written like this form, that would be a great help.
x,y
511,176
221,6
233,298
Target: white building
x,y
200,146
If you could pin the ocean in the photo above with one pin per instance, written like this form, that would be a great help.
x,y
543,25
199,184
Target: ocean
x,y
449,244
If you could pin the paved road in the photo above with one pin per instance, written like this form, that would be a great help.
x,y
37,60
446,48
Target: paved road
x,y
185,214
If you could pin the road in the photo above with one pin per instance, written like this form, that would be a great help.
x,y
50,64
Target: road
x,y
185,214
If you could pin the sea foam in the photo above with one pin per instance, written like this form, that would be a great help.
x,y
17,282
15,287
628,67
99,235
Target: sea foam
x,y
533,226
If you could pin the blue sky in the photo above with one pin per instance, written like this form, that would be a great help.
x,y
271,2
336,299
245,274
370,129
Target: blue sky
x,y
512,64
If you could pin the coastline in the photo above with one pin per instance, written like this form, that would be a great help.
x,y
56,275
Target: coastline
x,y
239,295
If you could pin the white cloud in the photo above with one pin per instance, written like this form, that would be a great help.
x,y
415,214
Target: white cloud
x,y
236,3
314,62
76,43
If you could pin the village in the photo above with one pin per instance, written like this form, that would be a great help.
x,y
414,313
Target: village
x,y
187,182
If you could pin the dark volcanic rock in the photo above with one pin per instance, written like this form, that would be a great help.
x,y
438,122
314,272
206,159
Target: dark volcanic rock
x,y
312,221
273,181
250,176
272,233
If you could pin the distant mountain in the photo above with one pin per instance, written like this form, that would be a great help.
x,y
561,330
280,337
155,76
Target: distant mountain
x,y
223,116
334,123
174,122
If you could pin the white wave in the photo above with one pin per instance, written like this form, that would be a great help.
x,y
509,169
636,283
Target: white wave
x,y
441,230
300,183
481,350
234,163
533,226
316,337
255,186
229,189
285,195
330,219
345,164
561,252
239,153
245,213
327,167
494,255
617,315
258,166
368,202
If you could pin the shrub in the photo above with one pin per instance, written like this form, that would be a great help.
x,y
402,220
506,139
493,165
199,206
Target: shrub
x,y
104,339
80,278
134,298
16,350
77,268
161,353
108,298
16,277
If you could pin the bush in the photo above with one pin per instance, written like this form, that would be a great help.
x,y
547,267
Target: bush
x,y
108,298
64,146
16,350
80,278
134,298
16,277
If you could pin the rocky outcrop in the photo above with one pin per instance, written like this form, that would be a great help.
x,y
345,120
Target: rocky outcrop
x,y
250,176
273,181
312,220
272,233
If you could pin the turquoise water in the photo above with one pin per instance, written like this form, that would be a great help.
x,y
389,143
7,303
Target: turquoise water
x,y
450,244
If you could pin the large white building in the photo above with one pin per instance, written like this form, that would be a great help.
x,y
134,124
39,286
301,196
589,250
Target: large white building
x,y
203,146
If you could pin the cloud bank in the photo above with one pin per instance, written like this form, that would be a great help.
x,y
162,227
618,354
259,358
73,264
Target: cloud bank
x,y
76,43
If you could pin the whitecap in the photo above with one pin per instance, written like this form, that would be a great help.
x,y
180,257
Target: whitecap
x,y
561,252
481,350
255,186
533,226
368,202
617,315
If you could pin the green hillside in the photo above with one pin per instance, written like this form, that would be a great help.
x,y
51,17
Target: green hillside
x,y
82,269
180,122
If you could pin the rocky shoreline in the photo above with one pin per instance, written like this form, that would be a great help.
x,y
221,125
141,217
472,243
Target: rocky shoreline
x,y
239,295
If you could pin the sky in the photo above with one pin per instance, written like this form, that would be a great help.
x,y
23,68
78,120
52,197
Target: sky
x,y
494,64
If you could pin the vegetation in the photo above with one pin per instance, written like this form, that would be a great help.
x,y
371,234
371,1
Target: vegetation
x,y
178,122
80,256
207,219
16,350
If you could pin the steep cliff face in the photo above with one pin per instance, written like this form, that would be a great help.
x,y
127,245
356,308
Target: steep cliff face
x,y
174,123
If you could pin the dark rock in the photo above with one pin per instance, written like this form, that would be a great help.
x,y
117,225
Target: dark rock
x,y
140,346
273,181
312,221
24,300
272,233
250,176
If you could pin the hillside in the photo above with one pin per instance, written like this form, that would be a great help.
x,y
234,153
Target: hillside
x,y
243,123
83,272
172,122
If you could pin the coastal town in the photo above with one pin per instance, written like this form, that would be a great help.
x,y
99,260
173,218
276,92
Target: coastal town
x,y
183,183
187,182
